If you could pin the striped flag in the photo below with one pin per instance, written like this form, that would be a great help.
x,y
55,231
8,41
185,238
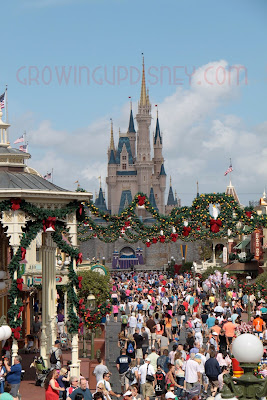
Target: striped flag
x,y
19,140
230,169
2,100
48,175
23,148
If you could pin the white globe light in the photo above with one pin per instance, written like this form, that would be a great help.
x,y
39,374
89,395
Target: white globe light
x,y
59,262
7,331
247,348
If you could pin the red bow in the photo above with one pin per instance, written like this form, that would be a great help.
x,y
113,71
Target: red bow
x,y
20,311
215,225
80,278
127,224
80,258
20,283
148,244
23,253
81,300
174,236
15,204
16,332
248,214
186,230
162,238
80,209
49,223
141,200
154,240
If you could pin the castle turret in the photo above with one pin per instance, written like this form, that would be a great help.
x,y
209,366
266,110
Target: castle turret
x,y
172,201
112,168
132,134
144,164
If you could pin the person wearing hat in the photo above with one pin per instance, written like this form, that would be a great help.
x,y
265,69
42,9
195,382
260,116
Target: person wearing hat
x,y
147,379
213,340
170,395
128,395
56,358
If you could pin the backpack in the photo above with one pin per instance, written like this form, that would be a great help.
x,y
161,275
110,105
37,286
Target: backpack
x,y
124,319
53,359
130,348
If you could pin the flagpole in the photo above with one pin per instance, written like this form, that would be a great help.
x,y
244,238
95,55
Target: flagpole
x,y
52,174
6,113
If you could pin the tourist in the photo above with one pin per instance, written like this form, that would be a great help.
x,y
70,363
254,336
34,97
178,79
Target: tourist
x,y
145,342
212,370
134,390
13,376
60,323
123,363
179,372
132,322
2,376
74,382
259,326
56,358
36,331
100,369
6,394
83,390
192,372
138,341
106,382
151,324
153,358
115,310
147,379
51,386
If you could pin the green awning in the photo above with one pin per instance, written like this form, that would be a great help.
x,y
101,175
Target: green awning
x,y
242,245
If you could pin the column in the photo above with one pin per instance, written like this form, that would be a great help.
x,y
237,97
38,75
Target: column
x,y
43,344
65,304
15,348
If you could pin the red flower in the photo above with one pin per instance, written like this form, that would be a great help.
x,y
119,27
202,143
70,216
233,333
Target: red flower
x,y
186,230
141,200
154,240
162,238
148,244
15,204
174,236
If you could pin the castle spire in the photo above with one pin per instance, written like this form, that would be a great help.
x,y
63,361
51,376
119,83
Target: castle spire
x,y
197,190
111,146
157,133
131,120
143,97
170,181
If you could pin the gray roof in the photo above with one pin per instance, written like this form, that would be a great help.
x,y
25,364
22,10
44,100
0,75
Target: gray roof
x,y
10,150
24,180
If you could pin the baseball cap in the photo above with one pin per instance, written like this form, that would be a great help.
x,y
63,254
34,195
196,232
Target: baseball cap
x,y
147,359
229,319
57,342
128,393
170,395
214,333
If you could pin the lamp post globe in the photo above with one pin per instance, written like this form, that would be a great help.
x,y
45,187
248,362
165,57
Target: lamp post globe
x,y
90,304
247,348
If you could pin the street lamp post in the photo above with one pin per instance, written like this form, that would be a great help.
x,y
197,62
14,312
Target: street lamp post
x,y
90,304
248,278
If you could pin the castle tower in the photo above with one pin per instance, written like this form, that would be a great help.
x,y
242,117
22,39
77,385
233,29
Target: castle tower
x,y
159,181
112,169
132,134
230,190
171,202
144,165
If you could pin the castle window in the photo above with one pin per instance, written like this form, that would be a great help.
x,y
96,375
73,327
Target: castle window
x,y
124,158
144,158
123,166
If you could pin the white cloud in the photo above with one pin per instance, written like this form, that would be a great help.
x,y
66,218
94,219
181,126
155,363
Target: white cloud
x,y
198,140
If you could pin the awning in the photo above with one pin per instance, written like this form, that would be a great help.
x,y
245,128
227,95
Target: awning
x,y
242,245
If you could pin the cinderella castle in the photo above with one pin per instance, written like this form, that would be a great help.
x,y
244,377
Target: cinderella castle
x,y
131,168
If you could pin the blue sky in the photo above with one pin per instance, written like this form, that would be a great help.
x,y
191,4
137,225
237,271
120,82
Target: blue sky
x,y
42,36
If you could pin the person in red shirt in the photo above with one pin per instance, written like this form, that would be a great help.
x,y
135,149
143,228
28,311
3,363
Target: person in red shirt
x,y
186,305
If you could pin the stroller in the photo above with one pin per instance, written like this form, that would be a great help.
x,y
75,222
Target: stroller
x,y
64,341
41,371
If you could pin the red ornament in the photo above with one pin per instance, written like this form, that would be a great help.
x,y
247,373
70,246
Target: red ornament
x,y
15,204
248,214
23,253
20,311
162,238
198,228
20,284
186,230
80,258
81,301
141,200
174,236
215,225
49,223
127,224
148,244
154,240
16,332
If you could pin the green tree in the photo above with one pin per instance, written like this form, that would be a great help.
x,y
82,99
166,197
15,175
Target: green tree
x,y
205,250
98,285
262,279
186,267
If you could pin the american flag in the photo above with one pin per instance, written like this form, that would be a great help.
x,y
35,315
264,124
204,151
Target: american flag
x,y
23,148
2,100
19,140
48,175
230,169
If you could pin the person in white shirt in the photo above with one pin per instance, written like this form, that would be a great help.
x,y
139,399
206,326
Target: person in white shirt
x,y
147,386
192,372
132,321
105,381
